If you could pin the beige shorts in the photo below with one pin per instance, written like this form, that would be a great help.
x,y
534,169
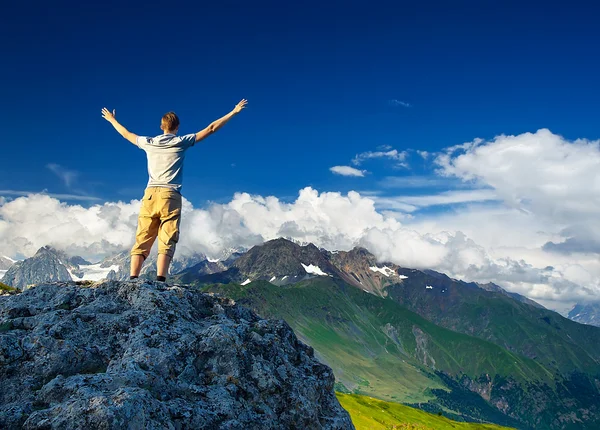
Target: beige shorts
x,y
160,215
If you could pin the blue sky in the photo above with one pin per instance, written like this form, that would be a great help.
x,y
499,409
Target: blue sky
x,y
351,86
321,81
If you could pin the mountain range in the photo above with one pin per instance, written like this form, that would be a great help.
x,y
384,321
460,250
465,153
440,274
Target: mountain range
x,y
472,351
418,337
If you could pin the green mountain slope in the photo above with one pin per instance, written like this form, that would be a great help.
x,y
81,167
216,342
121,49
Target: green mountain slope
x,y
379,348
485,311
534,332
368,413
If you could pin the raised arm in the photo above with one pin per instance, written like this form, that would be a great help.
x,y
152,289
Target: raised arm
x,y
110,117
215,125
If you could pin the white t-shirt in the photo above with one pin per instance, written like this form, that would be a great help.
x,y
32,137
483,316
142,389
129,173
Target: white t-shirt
x,y
166,153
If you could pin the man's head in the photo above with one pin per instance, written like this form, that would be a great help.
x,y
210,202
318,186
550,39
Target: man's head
x,y
169,123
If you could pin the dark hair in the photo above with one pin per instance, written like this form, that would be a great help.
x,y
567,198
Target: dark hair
x,y
169,122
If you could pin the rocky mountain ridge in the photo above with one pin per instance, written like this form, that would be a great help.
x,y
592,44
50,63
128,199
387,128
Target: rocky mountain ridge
x,y
47,264
283,262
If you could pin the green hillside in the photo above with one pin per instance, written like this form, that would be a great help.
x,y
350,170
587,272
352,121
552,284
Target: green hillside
x,y
6,288
545,336
379,348
368,413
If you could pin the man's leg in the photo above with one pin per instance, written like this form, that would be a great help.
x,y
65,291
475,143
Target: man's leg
x,y
137,260
147,231
168,232
162,265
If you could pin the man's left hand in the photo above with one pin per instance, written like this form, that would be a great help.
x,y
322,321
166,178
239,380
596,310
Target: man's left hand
x,y
108,115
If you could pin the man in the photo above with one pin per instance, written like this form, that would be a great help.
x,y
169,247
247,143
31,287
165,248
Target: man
x,y
160,213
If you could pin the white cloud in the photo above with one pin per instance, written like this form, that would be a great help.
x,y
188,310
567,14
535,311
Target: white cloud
x,y
400,103
445,198
424,154
330,220
394,154
69,177
528,220
347,171
419,181
555,180
53,195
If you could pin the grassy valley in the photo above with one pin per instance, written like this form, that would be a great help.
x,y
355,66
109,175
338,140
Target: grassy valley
x,y
368,413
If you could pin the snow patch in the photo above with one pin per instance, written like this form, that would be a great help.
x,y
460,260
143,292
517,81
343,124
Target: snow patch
x,y
273,278
385,271
72,275
212,260
314,270
9,259
284,277
2,273
94,272
403,277
246,282
428,287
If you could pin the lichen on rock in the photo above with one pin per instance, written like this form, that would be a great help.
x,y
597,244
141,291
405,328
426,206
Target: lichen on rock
x,y
145,355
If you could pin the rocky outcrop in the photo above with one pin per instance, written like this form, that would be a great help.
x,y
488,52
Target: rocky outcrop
x,y
144,355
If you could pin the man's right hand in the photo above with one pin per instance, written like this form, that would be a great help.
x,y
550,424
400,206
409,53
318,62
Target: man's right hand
x,y
241,105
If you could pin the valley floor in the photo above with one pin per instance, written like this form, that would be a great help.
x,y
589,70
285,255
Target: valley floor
x,y
368,413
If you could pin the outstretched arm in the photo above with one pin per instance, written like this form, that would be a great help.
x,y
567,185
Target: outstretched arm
x,y
215,125
110,117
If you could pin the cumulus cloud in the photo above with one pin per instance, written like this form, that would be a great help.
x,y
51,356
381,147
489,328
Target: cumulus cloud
x,y
394,154
527,219
539,172
331,220
555,180
347,171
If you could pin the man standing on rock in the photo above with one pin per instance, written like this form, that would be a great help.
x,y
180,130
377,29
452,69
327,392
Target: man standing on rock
x,y
160,213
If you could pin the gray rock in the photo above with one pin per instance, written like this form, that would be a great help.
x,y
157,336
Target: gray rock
x,y
5,263
45,266
145,355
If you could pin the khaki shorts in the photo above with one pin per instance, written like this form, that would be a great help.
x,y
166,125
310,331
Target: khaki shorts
x,y
160,215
